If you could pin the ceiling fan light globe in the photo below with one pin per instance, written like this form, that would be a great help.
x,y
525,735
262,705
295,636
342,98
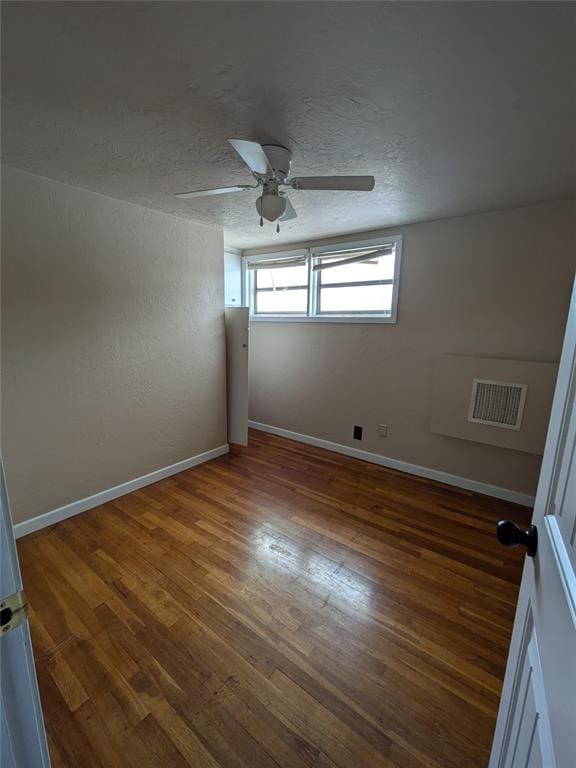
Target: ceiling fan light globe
x,y
271,207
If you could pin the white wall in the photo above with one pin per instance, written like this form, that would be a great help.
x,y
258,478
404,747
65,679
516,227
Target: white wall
x,y
232,277
113,356
490,285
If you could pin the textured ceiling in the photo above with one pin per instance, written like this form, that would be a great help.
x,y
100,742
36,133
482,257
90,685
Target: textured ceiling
x,y
454,107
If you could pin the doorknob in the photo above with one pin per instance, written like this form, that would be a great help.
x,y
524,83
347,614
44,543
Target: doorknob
x,y
510,535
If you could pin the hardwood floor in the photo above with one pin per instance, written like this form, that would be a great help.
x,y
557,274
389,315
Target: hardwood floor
x,y
279,606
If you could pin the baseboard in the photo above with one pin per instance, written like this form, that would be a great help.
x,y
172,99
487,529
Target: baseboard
x,y
402,466
82,505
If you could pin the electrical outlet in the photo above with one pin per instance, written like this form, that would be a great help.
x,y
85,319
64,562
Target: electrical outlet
x,y
357,434
383,430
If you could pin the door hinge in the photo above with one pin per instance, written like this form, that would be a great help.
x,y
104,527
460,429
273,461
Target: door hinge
x,y
13,611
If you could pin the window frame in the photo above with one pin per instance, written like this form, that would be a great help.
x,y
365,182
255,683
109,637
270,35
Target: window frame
x,y
312,316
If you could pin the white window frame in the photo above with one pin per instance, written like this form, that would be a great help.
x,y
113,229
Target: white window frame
x,y
314,286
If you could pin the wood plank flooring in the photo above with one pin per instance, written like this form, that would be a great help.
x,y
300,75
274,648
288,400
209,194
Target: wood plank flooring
x,y
278,606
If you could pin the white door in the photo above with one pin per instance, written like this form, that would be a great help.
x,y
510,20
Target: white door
x,y
22,737
237,351
537,718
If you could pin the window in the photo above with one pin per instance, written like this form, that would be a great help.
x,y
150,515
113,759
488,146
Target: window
x,y
280,286
355,282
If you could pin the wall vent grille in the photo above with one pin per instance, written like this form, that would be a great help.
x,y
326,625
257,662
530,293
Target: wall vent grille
x,y
497,403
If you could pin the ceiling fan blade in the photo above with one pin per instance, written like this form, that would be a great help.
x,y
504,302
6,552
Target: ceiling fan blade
x,y
253,155
289,212
352,183
215,191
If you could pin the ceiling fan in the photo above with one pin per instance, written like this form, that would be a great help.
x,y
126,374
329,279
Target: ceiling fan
x,y
270,166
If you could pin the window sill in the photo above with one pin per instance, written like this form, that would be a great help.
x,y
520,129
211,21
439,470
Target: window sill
x,y
322,319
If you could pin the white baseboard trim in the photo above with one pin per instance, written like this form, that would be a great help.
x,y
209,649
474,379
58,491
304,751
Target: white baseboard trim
x,y
76,507
402,466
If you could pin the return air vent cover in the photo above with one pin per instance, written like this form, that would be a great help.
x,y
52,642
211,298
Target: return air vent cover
x,y
497,403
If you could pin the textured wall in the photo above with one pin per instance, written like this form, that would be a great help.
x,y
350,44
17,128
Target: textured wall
x,y
493,285
113,359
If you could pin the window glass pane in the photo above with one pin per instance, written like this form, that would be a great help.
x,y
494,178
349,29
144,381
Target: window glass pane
x,y
380,268
357,298
272,302
282,276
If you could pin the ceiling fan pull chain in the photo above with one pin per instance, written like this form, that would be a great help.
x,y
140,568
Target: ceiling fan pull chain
x,y
277,228
261,206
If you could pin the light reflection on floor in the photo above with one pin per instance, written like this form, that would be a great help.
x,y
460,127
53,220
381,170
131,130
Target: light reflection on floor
x,y
332,584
